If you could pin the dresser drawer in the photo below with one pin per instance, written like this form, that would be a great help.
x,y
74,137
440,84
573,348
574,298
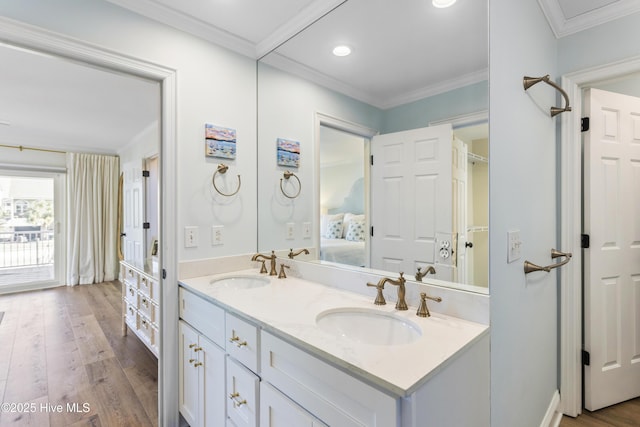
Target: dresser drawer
x,y
130,275
242,395
148,308
203,315
149,287
130,293
149,332
131,316
242,341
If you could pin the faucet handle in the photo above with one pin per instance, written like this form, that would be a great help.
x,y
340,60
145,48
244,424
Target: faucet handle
x,y
282,274
263,268
423,310
379,297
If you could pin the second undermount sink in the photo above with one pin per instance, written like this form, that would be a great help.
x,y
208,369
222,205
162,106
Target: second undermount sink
x,y
241,282
368,326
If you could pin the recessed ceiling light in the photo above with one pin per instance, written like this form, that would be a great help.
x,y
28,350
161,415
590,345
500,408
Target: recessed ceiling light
x,y
341,50
443,3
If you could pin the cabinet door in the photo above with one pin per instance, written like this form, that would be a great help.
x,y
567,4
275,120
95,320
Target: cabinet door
x,y
277,410
212,398
188,374
242,395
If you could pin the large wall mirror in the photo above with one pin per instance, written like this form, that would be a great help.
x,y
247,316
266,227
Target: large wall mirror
x,y
379,159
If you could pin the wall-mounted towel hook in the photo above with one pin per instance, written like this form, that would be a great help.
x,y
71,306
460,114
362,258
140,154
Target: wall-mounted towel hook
x,y
530,81
288,175
222,169
530,267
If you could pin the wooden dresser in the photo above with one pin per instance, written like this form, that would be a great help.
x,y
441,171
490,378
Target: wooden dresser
x,y
141,304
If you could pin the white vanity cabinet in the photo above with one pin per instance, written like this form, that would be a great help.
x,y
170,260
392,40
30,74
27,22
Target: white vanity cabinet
x,y
277,410
201,373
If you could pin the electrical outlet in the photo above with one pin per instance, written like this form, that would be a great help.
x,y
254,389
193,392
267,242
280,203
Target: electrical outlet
x,y
290,230
191,237
306,230
217,235
514,246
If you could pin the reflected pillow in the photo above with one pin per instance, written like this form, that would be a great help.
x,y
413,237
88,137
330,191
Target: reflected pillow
x,y
355,231
348,218
334,229
324,223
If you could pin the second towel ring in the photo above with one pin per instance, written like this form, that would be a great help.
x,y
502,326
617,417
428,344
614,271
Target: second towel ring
x,y
288,175
222,169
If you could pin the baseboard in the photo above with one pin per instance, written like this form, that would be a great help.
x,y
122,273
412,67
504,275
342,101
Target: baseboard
x,y
554,415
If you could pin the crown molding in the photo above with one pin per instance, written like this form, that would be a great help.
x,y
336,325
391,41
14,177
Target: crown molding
x,y
188,24
313,12
562,26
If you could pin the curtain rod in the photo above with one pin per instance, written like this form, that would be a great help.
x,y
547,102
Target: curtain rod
x,y
22,148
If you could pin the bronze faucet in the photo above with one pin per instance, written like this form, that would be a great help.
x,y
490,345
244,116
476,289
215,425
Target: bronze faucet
x,y
282,274
272,259
295,254
420,274
401,304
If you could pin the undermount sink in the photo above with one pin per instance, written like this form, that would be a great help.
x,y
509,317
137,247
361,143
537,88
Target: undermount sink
x,y
368,326
241,282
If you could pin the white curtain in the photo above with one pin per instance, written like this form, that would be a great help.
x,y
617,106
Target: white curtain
x,y
92,195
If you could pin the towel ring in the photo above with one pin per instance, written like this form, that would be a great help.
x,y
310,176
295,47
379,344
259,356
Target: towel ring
x,y
288,175
222,168
530,81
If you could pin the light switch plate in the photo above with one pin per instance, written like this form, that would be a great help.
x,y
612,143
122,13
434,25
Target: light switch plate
x,y
514,245
191,237
217,236
290,230
306,230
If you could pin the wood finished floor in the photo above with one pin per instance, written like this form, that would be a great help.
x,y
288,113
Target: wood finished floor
x,y
64,346
626,414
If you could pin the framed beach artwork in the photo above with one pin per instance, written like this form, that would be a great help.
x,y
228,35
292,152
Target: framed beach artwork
x,y
219,141
288,153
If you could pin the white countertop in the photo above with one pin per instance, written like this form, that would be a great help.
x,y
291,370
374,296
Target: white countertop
x,y
288,308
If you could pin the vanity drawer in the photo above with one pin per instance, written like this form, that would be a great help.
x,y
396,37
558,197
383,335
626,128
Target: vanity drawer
x,y
242,395
203,315
242,341
149,287
335,397
148,308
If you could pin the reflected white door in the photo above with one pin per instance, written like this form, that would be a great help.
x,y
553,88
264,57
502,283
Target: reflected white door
x,y
460,198
410,198
612,263
133,205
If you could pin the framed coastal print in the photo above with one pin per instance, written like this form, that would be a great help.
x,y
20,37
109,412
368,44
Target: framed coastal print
x,y
219,141
288,153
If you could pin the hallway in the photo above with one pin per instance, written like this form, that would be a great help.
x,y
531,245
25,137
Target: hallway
x,y
63,361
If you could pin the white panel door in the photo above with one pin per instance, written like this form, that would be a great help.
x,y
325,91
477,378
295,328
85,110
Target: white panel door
x,y
133,208
410,198
212,402
460,219
612,263
277,410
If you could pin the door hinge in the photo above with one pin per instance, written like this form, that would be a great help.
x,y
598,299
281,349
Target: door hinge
x,y
586,358
371,158
145,174
164,273
372,231
584,124
584,241
146,225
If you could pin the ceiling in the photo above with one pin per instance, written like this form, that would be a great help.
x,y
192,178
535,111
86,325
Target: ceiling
x,y
51,102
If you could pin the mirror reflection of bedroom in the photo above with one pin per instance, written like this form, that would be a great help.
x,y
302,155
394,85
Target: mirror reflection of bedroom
x,y
344,201
343,198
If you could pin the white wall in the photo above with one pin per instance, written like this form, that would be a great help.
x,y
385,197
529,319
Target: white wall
x,y
522,196
207,93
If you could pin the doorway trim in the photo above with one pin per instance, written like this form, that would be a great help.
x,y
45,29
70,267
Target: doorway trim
x,y
19,34
570,277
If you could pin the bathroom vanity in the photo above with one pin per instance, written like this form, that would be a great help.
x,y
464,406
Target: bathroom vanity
x,y
258,350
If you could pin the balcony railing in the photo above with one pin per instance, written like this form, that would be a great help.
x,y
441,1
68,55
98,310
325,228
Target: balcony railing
x,y
26,248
